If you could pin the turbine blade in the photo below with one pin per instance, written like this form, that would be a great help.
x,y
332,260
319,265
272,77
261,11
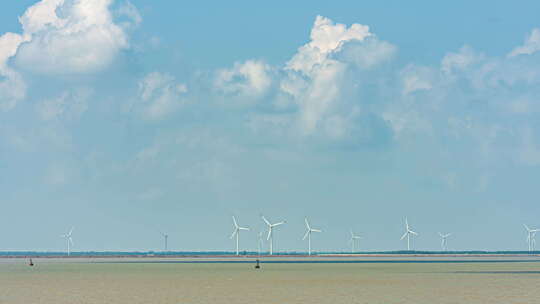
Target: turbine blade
x,y
305,235
307,223
404,235
278,224
234,233
71,241
71,230
265,220
269,234
526,227
413,232
316,230
234,221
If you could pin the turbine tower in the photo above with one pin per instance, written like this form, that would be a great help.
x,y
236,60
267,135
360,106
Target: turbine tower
x,y
531,234
308,234
69,240
165,238
407,234
270,232
260,241
354,238
236,233
444,241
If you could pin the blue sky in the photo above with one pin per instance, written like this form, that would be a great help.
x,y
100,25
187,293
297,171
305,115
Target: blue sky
x,y
123,118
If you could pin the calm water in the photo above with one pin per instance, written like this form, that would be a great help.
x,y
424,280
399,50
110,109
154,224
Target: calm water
x,y
84,281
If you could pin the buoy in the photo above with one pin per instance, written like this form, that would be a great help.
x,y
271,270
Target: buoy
x,y
31,263
257,266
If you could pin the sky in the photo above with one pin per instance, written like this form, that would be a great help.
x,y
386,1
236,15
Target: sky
x,y
126,118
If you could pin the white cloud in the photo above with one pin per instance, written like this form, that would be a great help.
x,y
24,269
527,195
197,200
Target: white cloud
x,y
326,39
69,36
250,79
133,17
368,53
69,105
61,37
459,60
12,85
531,45
314,86
320,98
160,95
416,78
318,79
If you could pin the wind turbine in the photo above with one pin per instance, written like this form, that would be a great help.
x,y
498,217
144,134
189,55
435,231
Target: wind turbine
x,y
236,233
353,239
69,240
444,241
260,241
270,232
407,234
166,238
531,234
308,234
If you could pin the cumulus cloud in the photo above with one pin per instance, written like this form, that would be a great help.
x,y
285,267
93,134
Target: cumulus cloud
x,y
416,78
160,95
318,77
250,79
132,16
369,53
326,38
12,85
61,37
313,88
70,36
458,61
531,45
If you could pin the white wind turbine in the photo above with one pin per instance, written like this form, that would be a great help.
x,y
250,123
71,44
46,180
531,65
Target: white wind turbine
x,y
69,240
531,234
165,238
260,241
407,234
354,238
444,241
270,232
236,233
308,234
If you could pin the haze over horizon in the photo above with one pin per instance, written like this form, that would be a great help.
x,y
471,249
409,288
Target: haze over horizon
x,y
124,118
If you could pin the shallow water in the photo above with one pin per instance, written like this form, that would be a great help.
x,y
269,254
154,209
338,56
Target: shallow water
x,y
82,281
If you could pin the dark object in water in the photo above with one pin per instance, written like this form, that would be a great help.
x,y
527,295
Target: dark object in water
x,y
31,263
257,266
